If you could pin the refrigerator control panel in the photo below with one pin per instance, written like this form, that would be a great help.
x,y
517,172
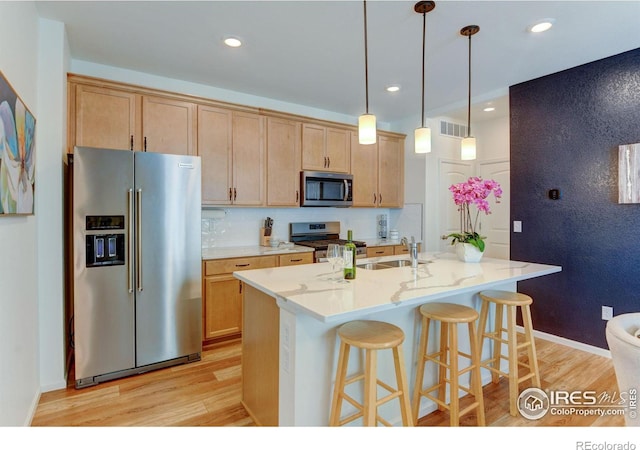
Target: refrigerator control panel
x,y
104,223
105,250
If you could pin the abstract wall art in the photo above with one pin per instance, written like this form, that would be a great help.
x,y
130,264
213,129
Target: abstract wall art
x,y
17,153
629,173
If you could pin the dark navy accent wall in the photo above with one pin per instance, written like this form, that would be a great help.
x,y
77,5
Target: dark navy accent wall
x,y
565,131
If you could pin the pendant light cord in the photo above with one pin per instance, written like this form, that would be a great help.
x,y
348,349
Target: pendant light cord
x,y
366,59
424,32
469,99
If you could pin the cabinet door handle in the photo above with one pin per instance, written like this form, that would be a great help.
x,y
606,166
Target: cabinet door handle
x,y
235,194
296,260
297,196
325,162
230,194
379,252
379,199
240,287
145,143
131,143
243,265
375,199
328,161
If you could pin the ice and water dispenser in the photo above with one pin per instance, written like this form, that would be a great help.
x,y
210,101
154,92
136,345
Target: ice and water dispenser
x,y
107,246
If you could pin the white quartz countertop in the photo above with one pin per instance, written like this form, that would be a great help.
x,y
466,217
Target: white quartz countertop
x,y
253,250
310,288
376,242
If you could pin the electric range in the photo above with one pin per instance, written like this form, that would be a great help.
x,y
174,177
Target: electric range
x,y
318,235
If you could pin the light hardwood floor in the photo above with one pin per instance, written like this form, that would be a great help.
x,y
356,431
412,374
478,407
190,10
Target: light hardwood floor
x,y
207,393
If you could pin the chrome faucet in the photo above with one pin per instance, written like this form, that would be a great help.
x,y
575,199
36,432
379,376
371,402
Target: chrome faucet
x,y
413,250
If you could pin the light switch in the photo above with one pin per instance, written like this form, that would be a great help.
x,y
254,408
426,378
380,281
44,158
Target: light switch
x,y
517,226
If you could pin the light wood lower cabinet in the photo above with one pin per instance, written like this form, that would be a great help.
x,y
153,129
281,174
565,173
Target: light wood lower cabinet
x,y
403,250
292,259
388,250
222,293
382,250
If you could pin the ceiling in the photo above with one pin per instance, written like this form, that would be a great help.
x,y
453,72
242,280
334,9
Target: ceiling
x,y
312,52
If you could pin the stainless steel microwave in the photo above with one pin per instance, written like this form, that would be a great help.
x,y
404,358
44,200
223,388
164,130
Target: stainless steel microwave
x,y
326,189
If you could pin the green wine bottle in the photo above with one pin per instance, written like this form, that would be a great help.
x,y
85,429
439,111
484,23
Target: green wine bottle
x,y
349,258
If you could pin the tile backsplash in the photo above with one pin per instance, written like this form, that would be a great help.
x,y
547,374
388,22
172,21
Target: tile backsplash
x,y
231,227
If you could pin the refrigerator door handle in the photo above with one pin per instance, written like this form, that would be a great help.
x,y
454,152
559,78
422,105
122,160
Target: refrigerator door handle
x,y
139,239
130,275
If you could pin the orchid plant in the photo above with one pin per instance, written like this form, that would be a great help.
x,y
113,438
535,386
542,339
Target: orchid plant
x,y
474,191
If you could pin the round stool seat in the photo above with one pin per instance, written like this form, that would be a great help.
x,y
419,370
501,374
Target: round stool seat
x,y
449,312
371,334
506,298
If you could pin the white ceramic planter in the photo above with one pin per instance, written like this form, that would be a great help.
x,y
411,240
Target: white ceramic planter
x,y
468,253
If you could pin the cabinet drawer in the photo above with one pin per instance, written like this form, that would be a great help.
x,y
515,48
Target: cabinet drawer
x,y
385,250
402,249
297,258
219,266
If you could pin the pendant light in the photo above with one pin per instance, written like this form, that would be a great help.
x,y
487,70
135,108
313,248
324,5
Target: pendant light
x,y
366,122
468,147
423,134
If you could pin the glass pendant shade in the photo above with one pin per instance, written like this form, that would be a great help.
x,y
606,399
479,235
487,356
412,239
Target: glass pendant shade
x,y
367,129
423,140
468,148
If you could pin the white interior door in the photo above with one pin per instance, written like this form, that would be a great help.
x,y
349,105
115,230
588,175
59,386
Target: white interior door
x,y
495,226
450,172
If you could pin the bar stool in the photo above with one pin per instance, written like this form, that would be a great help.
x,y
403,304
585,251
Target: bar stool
x,y
511,301
370,336
449,315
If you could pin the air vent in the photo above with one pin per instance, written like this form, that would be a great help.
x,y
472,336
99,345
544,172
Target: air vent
x,y
453,129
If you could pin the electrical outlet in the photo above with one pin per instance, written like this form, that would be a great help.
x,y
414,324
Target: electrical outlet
x,y
607,312
517,226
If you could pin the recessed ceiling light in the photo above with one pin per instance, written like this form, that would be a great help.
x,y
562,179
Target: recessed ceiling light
x,y
541,25
489,109
233,42
393,88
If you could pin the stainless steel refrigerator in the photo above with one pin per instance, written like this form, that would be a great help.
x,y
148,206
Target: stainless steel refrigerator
x,y
137,288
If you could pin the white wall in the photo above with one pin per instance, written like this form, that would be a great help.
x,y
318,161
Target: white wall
x,y
492,138
421,171
19,350
52,98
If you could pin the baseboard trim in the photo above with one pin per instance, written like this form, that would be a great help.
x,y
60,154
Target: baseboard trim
x,y
569,343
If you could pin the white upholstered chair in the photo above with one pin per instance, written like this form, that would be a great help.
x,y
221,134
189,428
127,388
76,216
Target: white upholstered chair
x,y
623,337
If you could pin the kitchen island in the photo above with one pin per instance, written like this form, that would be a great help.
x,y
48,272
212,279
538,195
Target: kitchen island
x,y
290,348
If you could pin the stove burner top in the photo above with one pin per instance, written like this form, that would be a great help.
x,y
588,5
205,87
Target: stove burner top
x,y
318,235
323,244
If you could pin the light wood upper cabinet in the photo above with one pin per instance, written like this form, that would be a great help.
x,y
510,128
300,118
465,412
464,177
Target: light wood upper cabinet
x,y
325,148
168,126
364,167
249,172
283,162
105,118
121,119
215,150
249,156
390,172
232,151
378,172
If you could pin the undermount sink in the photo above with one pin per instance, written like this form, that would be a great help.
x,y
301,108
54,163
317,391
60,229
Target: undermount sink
x,y
387,264
372,266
